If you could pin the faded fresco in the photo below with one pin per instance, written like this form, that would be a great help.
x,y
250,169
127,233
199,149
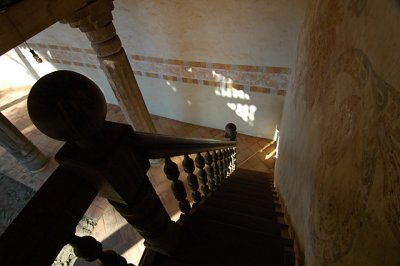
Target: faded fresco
x,y
339,159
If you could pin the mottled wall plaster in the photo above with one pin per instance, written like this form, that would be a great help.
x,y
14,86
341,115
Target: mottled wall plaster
x,y
339,156
214,105
255,33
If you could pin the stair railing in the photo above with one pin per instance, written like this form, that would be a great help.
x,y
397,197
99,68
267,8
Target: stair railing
x,y
155,146
110,160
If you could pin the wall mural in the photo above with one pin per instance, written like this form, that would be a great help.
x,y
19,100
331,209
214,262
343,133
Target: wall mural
x,y
361,110
357,115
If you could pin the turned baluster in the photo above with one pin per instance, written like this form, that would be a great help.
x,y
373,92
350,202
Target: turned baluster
x,y
188,167
200,163
226,162
234,158
216,168
178,188
89,249
210,171
221,165
230,159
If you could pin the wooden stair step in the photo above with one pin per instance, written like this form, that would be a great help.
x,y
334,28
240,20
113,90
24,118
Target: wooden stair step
x,y
210,243
249,174
249,201
249,185
246,192
247,209
267,226
251,179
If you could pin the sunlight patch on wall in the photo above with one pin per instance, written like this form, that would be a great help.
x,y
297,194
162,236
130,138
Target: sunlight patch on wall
x,y
244,111
173,88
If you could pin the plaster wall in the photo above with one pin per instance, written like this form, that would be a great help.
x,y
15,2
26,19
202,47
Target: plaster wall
x,y
339,155
213,106
228,32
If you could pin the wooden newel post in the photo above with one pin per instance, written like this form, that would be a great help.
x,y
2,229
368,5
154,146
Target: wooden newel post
x,y
68,106
230,131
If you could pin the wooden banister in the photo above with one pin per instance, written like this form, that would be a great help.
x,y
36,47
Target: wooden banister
x,y
108,159
161,146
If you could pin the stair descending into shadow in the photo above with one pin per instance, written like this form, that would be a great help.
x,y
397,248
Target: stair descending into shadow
x,y
239,224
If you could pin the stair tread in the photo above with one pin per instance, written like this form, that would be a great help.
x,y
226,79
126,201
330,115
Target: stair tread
x,y
267,226
211,243
246,192
243,208
249,186
248,201
250,180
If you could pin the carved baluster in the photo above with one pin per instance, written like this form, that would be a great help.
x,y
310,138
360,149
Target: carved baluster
x,y
188,166
234,158
221,165
200,163
178,188
216,168
226,163
210,171
90,249
230,159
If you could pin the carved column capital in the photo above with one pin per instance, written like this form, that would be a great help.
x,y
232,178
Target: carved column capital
x,y
95,20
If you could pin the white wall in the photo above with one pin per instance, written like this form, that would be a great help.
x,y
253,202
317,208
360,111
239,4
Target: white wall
x,y
253,114
255,33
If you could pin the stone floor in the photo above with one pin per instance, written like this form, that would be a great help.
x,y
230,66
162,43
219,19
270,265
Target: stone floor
x,y
108,226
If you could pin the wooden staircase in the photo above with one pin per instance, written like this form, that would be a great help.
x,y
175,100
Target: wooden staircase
x,y
239,224
235,218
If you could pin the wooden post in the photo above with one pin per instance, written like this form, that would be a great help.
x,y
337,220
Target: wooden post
x,y
19,146
104,152
95,20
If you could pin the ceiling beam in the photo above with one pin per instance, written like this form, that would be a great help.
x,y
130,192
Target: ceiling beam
x,y
29,17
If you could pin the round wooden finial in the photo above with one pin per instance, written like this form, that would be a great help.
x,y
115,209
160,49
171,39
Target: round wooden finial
x,y
67,106
230,131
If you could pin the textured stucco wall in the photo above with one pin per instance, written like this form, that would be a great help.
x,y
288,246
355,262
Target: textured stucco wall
x,y
252,33
339,156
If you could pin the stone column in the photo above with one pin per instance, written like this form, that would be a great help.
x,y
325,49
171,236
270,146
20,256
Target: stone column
x,y
95,20
19,146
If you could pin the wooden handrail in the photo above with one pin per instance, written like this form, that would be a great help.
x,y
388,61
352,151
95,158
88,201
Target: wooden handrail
x,y
157,146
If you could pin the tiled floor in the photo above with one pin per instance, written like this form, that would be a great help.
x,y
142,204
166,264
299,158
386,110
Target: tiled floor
x,y
112,230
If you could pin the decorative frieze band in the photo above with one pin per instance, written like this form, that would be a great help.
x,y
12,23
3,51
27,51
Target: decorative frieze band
x,y
260,79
